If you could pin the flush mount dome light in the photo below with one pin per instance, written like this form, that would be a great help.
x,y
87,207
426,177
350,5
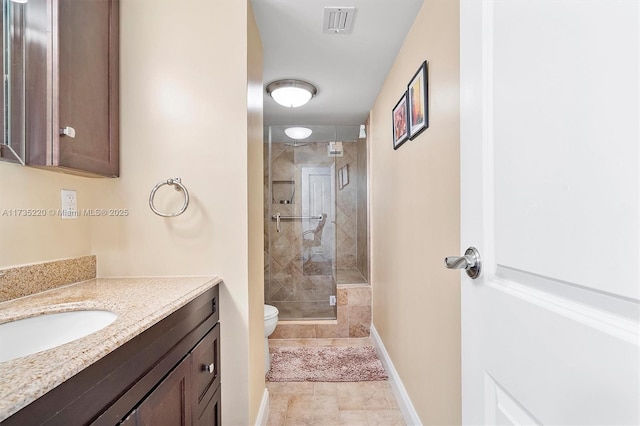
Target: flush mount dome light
x,y
298,132
291,93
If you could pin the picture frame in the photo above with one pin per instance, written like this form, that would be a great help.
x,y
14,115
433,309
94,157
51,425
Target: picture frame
x,y
343,176
400,124
418,102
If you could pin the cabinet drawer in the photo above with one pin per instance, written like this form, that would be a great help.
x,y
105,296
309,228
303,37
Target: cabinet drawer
x,y
206,364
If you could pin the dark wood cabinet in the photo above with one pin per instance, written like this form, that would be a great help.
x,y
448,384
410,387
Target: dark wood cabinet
x,y
72,114
190,394
167,375
211,414
169,403
206,370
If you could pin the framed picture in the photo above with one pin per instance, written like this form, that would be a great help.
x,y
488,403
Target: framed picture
x,y
343,176
418,94
400,124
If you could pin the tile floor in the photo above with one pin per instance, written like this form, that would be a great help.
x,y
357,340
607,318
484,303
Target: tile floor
x,y
328,404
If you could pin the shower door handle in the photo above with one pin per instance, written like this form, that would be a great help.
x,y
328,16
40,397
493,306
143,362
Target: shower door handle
x,y
278,217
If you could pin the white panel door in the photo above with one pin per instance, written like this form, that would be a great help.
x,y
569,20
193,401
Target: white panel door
x,y
318,198
550,143
317,191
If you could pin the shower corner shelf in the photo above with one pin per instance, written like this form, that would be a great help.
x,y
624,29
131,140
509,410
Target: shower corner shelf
x,y
282,191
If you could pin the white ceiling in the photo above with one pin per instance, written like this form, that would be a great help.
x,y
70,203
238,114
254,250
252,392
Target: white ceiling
x,y
347,69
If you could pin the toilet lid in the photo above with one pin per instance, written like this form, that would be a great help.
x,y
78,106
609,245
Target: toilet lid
x,y
270,311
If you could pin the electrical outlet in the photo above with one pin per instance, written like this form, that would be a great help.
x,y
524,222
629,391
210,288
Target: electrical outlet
x,y
332,300
69,205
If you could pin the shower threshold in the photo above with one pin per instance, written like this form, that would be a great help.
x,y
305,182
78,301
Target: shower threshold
x,y
305,311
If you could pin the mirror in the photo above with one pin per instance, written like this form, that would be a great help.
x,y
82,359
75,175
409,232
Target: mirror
x,y
12,144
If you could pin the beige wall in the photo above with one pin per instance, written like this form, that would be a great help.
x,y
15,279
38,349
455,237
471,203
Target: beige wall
x,y
415,221
185,113
40,238
255,217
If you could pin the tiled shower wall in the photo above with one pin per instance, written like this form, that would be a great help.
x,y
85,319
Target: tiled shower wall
x,y
346,210
301,293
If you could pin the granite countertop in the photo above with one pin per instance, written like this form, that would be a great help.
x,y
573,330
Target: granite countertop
x,y
139,303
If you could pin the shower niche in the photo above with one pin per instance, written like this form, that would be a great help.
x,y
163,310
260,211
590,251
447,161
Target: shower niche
x,y
315,225
283,191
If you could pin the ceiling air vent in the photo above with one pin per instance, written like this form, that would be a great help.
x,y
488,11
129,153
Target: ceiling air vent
x,y
338,20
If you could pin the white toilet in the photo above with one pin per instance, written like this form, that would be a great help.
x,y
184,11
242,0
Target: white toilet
x,y
270,322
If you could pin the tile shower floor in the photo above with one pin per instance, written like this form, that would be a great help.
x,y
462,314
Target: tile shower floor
x,y
327,404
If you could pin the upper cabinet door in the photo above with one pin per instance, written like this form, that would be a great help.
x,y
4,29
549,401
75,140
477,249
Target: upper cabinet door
x,y
72,115
88,85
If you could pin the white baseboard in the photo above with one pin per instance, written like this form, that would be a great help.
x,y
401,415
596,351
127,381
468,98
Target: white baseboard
x,y
263,413
406,406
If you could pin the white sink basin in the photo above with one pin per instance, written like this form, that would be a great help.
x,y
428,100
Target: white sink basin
x,y
35,334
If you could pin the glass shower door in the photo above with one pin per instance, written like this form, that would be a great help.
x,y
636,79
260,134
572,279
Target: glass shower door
x,y
300,209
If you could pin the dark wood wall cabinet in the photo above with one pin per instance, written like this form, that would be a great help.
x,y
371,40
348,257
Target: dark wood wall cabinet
x,y
167,375
72,115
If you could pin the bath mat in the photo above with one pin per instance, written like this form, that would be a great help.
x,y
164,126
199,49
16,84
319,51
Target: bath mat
x,y
325,364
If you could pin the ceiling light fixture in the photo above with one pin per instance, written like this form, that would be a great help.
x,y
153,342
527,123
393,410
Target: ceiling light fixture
x,y
298,132
291,93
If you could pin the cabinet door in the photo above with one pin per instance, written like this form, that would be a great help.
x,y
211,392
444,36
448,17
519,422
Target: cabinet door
x,y
169,403
211,415
87,85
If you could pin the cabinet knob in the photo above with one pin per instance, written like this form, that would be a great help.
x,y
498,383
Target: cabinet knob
x,y
209,368
68,131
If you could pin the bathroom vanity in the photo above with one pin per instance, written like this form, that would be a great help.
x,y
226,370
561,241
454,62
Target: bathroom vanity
x,y
157,363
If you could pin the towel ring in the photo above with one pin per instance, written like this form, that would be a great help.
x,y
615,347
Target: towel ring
x,y
179,187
